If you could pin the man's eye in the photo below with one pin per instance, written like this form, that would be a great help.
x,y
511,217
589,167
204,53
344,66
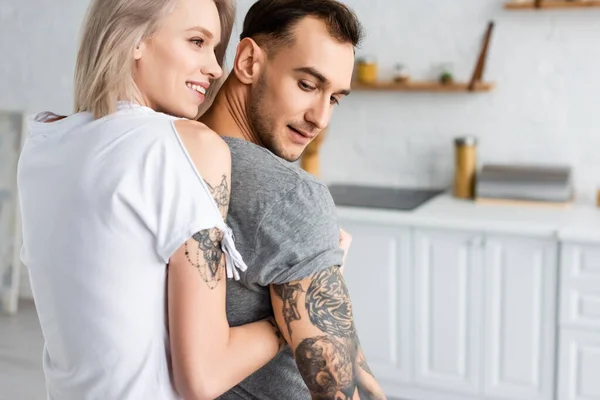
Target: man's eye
x,y
197,42
334,100
305,86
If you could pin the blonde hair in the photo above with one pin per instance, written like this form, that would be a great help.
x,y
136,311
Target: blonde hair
x,y
112,30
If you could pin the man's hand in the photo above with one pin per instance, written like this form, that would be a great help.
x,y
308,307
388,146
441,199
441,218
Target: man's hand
x,y
345,242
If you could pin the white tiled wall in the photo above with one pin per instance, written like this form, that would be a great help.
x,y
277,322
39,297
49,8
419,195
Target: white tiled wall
x,y
546,108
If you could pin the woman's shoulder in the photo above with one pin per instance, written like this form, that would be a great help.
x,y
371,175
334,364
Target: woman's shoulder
x,y
200,139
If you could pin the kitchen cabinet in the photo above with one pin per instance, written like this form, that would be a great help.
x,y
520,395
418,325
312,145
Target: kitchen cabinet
x,y
465,314
520,323
378,276
579,371
447,319
579,330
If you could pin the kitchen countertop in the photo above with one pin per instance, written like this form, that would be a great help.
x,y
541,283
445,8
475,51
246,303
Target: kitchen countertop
x,y
578,222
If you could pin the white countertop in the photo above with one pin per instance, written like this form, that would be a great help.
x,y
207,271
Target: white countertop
x,y
577,223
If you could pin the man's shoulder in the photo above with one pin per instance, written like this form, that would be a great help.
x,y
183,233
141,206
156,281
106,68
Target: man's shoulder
x,y
256,166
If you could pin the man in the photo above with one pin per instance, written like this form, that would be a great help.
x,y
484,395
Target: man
x,y
292,67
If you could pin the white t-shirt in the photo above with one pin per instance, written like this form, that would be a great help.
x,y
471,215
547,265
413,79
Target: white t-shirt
x,y
105,203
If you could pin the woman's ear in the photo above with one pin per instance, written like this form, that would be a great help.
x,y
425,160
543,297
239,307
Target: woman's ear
x,y
139,50
249,61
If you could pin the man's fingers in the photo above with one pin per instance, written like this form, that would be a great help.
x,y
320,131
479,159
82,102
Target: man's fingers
x,y
345,242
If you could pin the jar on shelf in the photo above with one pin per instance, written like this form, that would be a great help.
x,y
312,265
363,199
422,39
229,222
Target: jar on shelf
x,y
366,70
401,74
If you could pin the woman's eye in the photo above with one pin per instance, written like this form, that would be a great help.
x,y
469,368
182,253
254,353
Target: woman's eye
x,y
197,42
305,86
333,100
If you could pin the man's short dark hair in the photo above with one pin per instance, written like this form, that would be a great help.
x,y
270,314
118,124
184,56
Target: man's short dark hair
x,y
271,22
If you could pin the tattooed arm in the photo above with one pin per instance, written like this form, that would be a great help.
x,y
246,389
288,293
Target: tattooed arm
x,y
208,356
315,316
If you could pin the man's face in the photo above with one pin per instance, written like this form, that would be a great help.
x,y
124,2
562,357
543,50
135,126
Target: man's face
x,y
300,85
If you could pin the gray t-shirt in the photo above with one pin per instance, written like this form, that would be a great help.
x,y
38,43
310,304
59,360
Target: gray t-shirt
x,y
285,226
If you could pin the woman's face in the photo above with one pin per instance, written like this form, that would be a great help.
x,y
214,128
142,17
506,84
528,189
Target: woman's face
x,y
177,64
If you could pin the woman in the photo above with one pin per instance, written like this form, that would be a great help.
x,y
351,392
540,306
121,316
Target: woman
x,y
113,193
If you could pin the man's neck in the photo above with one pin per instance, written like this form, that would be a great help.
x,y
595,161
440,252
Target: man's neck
x,y
228,115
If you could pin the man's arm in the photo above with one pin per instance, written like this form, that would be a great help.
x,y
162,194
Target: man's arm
x,y
315,316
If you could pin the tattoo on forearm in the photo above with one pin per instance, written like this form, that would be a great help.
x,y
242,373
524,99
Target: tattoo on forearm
x,y
288,293
328,304
326,366
208,258
221,194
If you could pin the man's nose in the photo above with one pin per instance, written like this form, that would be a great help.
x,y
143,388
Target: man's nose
x,y
320,114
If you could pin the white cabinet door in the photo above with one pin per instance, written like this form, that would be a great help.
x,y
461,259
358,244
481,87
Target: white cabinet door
x,y
448,300
377,274
579,365
520,287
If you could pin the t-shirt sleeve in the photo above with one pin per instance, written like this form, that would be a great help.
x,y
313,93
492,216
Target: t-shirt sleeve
x,y
182,204
297,237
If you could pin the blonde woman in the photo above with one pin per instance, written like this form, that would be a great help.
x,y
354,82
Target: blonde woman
x,y
127,185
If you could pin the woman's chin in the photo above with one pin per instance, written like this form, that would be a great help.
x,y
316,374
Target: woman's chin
x,y
188,111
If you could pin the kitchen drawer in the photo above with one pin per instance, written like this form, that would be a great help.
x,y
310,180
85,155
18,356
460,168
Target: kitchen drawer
x,y
580,265
579,365
580,286
580,307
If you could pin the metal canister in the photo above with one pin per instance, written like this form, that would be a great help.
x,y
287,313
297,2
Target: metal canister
x,y
465,151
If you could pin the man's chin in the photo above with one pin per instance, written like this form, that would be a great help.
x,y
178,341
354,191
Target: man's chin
x,y
291,154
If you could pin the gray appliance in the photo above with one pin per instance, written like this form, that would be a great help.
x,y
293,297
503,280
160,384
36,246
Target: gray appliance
x,y
525,182
405,199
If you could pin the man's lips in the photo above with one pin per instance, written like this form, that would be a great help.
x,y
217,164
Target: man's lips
x,y
302,132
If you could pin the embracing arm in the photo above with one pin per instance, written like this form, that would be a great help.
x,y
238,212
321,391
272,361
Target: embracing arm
x,y
315,316
208,356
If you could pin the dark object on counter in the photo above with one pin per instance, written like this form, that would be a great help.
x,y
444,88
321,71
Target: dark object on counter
x,y
525,183
465,167
404,199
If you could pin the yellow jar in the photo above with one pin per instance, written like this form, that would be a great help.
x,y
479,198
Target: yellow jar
x,y
465,167
367,70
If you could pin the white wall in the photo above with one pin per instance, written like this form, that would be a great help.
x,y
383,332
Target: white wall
x,y
545,109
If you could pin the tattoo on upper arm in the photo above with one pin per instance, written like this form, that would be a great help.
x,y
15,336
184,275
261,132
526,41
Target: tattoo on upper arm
x,y
221,194
328,304
288,293
362,362
326,366
328,363
210,264
278,334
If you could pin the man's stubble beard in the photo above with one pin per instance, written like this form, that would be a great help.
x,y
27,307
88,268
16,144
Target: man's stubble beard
x,y
259,117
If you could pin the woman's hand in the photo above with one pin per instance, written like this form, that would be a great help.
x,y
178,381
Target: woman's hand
x,y
345,241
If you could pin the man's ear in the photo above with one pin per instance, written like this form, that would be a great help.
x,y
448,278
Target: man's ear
x,y
249,61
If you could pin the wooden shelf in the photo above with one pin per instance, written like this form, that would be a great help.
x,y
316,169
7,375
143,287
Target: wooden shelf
x,y
423,86
548,4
